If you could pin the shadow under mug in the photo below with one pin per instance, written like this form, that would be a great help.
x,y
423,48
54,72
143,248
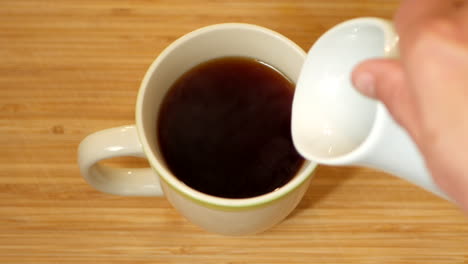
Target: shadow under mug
x,y
215,214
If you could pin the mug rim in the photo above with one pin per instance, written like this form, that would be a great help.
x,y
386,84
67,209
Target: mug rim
x,y
168,177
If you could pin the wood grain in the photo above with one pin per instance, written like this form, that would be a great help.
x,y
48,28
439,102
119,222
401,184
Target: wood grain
x,y
69,68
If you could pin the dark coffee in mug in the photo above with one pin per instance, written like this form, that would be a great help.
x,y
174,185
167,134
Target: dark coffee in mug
x,y
224,128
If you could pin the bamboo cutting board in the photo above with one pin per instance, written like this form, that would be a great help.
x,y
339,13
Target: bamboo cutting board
x,y
69,68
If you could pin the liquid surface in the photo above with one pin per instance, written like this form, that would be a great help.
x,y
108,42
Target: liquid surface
x,y
224,128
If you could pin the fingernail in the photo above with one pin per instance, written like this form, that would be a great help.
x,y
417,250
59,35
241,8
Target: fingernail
x,y
365,83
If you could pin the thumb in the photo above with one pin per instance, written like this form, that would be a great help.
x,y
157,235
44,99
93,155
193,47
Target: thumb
x,y
384,80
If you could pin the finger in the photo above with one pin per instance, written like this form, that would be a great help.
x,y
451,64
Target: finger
x,y
383,79
461,13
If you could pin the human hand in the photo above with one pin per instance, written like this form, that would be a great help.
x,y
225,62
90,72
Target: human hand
x,y
426,90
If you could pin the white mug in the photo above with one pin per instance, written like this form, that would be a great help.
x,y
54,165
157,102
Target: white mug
x,y
334,124
220,215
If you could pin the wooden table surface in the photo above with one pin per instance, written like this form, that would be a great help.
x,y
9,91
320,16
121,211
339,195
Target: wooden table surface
x,y
69,68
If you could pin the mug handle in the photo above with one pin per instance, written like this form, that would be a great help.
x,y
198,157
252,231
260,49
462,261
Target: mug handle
x,y
116,142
